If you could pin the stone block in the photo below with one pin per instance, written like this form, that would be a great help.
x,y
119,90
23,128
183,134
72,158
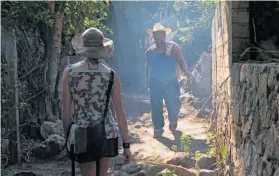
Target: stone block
x,y
254,78
219,40
268,170
240,16
272,78
247,127
240,4
262,84
277,100
239,45
255,160
276,173
266,121
234,134
255,130
240,30
260,168
271,143
260,144
248,156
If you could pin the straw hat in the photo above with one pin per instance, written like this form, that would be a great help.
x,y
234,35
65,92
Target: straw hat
x,y
92,43
158,27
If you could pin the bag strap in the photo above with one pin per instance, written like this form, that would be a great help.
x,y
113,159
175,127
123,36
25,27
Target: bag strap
x,y
67,135
110,85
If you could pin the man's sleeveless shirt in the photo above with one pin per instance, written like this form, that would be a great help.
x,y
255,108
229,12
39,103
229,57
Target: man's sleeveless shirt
x,y
162,65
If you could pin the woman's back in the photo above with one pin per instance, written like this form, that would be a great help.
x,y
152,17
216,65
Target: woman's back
x,y
86,90
88,85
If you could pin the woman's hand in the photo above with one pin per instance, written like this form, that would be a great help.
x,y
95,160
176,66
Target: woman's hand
x,y
127,154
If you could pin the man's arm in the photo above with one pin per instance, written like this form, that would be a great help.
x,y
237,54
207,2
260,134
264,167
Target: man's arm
x,y
66,101
147,69
180,59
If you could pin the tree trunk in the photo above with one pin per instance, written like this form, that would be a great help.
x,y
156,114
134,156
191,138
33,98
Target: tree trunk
x,y
10,54
53,51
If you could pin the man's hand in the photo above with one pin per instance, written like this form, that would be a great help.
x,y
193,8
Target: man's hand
x,y
188,74
127,155
147,88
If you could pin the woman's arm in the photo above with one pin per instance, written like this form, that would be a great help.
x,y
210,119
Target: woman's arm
x,y
119,109
66,101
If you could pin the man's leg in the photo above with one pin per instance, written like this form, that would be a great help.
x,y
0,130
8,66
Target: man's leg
x,y
156,101
173,104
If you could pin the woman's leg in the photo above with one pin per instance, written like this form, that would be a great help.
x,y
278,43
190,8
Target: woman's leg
x,y
104,165
88,169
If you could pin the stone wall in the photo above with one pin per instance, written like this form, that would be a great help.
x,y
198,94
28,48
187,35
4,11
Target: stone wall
x,y
254,125
240,29
221,57
245,97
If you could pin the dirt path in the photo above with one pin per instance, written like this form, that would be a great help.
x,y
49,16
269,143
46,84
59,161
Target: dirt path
x,y
149,148
168,149
158,153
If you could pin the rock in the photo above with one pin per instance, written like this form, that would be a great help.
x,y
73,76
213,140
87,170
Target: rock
x,y
131,168
197,104
120,173
26,173
7,146
165,172
138,126
141,173
48,128
204,172
190,100
52,146
207,162
117,162
184,161
186,97
204,113
181,115
134,138
276,173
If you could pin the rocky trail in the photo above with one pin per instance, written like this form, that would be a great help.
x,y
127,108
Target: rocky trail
x,y
175,153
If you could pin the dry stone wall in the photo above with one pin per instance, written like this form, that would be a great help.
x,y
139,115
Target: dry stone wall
x,y
254,125
245,97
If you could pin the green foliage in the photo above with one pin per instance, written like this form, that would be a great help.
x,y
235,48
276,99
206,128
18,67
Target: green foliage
x,y
193,16
169,173
197,156
174,148
213,145
25,13
224,153
83,14
79,15
212,150
185,142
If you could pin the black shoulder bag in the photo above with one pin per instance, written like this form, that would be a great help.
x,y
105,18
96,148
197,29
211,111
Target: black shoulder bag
x,y
85,143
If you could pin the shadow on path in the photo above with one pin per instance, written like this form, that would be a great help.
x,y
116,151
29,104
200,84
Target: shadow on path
x,y
196,144
136,106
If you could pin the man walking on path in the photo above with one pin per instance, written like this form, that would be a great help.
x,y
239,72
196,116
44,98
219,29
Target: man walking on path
x,y
161,78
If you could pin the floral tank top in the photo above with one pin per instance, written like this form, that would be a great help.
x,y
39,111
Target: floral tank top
x,y
88,89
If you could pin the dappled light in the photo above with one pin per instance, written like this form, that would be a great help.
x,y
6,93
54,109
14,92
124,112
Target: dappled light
x,y
198,81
